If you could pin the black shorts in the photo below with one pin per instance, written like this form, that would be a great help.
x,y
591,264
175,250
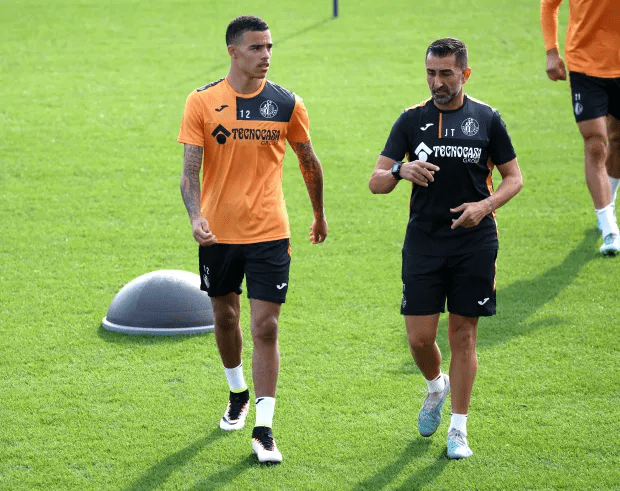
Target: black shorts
x,y
265,266
594,97
467,282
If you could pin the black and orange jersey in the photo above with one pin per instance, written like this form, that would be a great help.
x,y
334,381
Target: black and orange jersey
x,y
592,38
465,144
244,139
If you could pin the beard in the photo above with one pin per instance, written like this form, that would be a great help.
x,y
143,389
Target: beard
x,y
444,96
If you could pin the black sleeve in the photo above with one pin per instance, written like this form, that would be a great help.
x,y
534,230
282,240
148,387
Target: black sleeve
x,y
396,145
500,145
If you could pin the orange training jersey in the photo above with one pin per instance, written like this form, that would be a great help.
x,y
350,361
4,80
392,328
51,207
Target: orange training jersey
x,y
593,35
244,140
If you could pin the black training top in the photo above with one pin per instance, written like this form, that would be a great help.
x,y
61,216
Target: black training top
x,y
465,144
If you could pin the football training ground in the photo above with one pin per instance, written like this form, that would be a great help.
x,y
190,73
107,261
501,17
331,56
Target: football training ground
x,y
92,95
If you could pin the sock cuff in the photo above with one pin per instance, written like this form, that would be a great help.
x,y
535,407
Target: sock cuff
x,y
601,211
236,382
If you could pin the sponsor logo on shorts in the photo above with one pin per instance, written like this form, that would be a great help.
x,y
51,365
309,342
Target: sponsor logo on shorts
x,y
205,277
578,108
482,302
279,287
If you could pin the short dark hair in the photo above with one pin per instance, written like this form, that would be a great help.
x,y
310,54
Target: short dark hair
x,y
242,24
449,46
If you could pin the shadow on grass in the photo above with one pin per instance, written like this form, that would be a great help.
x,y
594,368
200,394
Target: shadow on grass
x,y
143,339
161,471
415,449
225,476
519,300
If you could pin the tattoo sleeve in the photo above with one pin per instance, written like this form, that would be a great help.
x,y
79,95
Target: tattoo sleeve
x,y
190,179
312,173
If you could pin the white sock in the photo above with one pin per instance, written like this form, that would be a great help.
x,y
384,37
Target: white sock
x,y
235,378
606,216
436,385
459,421
614,188
265,407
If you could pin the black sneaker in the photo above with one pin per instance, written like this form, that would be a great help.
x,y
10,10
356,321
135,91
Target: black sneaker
x,y
236,412
264,445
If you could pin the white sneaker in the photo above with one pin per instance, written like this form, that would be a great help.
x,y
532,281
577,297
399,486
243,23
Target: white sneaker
x,y
264,445
457,445
236,411
611,245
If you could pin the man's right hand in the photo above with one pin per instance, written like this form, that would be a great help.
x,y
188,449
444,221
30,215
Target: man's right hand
x,y
202,234
419,172
555,66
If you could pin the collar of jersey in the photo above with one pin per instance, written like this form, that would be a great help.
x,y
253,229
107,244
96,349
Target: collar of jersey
x,y
245,96
448,111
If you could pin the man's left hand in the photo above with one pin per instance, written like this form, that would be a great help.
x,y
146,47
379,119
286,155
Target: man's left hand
x,y
318,230
471,214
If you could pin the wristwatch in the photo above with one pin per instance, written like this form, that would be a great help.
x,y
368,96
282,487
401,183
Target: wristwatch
x,y
396,170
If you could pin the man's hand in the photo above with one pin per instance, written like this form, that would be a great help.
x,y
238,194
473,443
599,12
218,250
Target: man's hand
x,y
202,234
555,66
418,172
318,230
471,214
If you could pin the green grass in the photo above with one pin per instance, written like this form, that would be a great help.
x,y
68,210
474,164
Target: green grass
x,y
92,96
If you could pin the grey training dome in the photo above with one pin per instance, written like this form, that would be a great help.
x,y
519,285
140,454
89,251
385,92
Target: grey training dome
x,y
165,302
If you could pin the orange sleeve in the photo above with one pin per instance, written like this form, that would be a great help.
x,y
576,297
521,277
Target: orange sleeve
x,y
192,125
299,128
549,22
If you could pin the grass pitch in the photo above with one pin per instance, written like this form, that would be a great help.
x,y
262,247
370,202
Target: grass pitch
x,y
92,97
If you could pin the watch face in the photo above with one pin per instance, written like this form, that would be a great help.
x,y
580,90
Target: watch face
x,y
396,170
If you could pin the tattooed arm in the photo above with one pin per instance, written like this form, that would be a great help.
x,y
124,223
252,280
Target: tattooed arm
x,y
190,191
312,172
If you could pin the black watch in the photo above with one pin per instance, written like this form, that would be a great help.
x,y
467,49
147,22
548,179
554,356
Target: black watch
x,y
396,170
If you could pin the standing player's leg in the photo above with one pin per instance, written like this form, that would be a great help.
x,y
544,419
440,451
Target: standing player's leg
x,y
228,336
462,335
266,356
422,334
594,133
613,154
593,99
221,274
229,341
267,274
265,369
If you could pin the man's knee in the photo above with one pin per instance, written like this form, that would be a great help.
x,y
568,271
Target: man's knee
x,y
463,333
265,329
421,342
595,146
226,315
